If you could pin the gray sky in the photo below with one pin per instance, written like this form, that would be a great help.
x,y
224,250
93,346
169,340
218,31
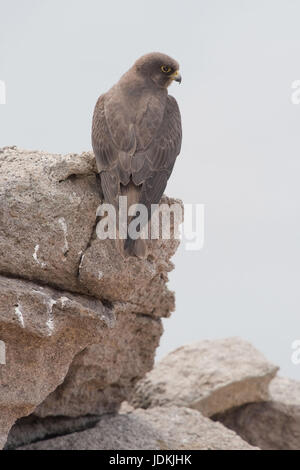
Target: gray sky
x,y
240,154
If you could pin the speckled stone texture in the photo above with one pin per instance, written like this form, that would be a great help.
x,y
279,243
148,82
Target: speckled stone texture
x,y
211,376
271,425
80,324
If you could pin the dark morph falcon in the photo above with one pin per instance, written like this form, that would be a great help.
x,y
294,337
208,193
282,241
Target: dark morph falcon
x,y
137,135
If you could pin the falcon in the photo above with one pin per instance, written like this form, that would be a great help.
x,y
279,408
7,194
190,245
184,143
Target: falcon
x,y
136,136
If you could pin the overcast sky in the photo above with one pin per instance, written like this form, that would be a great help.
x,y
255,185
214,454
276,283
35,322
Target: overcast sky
x,y
240,154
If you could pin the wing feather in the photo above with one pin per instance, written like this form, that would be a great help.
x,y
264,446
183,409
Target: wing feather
x,y
160,156
148,168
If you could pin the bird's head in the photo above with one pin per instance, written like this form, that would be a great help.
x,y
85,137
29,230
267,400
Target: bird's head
x,y
158,67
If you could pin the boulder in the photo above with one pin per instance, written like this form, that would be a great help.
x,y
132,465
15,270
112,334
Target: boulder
x,y
168,428
271,425
209,376
48,233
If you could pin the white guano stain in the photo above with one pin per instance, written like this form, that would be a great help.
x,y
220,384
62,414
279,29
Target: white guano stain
x,y
20,315
64,301
64,227
50,321
35,256
49,303
50,325
81,261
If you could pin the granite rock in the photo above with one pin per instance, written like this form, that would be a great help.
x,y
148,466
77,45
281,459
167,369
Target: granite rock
x,y
210,376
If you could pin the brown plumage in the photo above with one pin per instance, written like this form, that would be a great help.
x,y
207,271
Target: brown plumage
x,y
136,135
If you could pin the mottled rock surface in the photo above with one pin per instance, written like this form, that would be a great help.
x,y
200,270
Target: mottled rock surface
x,y
210,376
168,428
43,329
47,233
48,206
272,425
79,329
101,376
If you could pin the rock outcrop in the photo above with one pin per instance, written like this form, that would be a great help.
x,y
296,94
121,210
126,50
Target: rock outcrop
x,y
271,425
209,376
47,234
80,324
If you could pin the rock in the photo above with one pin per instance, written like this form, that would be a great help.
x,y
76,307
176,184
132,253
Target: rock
x,y
125,408
103,375
121,280
43,329
48,233
209,376
87,355
169,428
48,205
32,429
272,425
80,324
285,391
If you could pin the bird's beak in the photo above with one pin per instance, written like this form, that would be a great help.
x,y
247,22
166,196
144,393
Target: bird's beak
x,y
176,76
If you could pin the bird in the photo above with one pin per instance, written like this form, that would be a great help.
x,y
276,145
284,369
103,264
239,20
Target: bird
x,y
136,137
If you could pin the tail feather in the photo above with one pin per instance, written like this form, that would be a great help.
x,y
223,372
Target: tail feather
x,y
135,247
132,192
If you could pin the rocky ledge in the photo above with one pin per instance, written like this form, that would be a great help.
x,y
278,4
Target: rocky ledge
x,y
79,324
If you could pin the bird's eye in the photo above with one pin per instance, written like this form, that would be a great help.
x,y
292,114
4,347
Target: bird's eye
x,y
165,69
